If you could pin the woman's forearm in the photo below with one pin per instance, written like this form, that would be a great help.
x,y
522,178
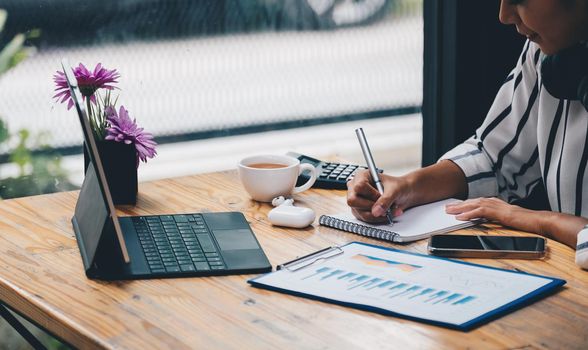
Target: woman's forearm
x,y
438,181
560,227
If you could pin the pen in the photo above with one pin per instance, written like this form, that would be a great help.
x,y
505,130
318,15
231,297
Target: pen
x,y
372,167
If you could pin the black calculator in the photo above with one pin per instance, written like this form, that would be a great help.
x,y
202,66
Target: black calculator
x,y
329,175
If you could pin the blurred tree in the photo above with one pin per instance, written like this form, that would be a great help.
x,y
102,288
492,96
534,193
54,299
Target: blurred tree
x,y
37,173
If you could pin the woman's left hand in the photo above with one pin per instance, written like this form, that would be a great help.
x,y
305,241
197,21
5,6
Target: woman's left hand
x,y
498,211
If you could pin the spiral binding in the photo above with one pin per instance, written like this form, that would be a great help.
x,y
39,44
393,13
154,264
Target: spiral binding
x,y
357,228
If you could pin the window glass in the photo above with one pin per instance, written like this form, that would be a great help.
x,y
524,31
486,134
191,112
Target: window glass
x,y
201,69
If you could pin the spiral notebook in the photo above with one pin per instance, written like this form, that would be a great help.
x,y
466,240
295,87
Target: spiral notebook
x,y
414,224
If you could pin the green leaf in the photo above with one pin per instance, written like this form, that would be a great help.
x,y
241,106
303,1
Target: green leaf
x,y
3,16
21,155
4,134
11,49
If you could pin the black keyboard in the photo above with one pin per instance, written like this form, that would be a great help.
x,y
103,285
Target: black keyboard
x,y
329,175
177,243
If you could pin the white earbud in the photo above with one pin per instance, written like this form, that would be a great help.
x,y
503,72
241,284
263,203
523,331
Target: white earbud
x,y
282,201
286,214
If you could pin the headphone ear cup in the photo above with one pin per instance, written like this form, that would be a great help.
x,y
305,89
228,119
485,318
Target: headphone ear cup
x,y
583,92
562,72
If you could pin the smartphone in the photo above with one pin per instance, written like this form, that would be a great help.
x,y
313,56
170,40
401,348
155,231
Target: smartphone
x,y
464,246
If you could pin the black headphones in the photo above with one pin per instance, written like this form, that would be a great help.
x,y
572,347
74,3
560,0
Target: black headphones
x,y
565,74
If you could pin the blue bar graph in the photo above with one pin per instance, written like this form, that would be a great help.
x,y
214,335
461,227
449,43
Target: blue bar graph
x,y
388,288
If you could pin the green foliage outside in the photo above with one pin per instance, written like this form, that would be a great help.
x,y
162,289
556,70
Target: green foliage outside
x,y
37,173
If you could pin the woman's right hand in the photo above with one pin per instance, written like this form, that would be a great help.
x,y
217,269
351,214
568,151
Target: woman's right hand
x,y
369,205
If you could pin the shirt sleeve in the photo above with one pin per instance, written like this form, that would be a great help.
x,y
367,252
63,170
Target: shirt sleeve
x,y
582,249
500,159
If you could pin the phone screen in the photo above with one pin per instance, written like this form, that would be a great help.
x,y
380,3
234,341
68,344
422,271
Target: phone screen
x,y
495,243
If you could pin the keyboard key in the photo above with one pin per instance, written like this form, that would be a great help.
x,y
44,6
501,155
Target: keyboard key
x,y
156,266
200,266
217,267
213,259
187,267
173,269
181,218
158,270
212,255
206,243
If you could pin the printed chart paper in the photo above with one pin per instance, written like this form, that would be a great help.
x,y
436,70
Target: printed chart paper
x,y
418,286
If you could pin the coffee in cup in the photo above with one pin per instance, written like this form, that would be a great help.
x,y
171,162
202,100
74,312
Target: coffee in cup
x,y
268,176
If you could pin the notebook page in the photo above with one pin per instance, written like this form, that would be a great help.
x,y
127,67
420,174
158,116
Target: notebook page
x,y
418,222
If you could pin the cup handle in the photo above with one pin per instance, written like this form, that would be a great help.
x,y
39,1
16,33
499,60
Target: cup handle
x,y
310,182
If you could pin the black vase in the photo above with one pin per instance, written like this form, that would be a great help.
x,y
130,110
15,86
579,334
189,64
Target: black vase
x,y
120,167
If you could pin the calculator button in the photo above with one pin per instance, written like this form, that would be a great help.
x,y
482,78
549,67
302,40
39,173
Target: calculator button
x,y
332,177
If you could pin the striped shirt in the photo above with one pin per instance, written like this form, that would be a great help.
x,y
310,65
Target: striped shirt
x,y
529,138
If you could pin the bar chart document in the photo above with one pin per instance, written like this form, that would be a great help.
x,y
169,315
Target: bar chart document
x,y
445,292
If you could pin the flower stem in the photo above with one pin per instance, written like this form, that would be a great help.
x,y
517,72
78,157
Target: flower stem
x,y
91,117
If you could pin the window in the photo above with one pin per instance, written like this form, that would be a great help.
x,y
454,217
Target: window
x,y
215,71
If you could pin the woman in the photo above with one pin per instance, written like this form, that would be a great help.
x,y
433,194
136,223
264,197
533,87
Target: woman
x,y
529,138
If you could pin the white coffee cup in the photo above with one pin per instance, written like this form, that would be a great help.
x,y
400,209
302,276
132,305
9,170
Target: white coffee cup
x,y
268,176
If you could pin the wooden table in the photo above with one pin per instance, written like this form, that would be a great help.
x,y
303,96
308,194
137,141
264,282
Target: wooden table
x,y
41,277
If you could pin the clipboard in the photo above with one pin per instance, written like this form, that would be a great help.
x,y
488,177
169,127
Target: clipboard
x,y
430,289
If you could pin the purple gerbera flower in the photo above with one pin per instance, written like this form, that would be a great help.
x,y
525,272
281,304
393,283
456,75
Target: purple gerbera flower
x,y
88,82
123,129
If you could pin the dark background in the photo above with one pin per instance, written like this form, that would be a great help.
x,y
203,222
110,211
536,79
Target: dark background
x,y
468,54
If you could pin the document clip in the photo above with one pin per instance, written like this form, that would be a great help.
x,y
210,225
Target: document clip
x,y
310,259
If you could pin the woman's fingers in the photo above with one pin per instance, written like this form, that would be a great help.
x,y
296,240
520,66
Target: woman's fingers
x,y
476,213
480,208
366,215
363,197
360,193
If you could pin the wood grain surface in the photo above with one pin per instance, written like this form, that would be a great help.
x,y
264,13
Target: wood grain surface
x,y
41,276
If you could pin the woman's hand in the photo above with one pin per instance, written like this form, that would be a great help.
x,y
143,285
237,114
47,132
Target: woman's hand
x,y
558,226
498,211
438,181
369,205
